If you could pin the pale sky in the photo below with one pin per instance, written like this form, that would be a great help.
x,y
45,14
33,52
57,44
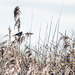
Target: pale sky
x,y
43,10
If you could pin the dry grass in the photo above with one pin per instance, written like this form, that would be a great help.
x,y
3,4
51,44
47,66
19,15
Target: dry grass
x,y
13,62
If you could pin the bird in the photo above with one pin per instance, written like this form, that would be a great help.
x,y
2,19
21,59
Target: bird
x,y
16,12
17,23
18,34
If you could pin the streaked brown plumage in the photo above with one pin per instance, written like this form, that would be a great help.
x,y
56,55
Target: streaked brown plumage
x,y
16,12
17,23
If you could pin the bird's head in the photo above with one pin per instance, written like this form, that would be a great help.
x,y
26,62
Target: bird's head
x,y
17,7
